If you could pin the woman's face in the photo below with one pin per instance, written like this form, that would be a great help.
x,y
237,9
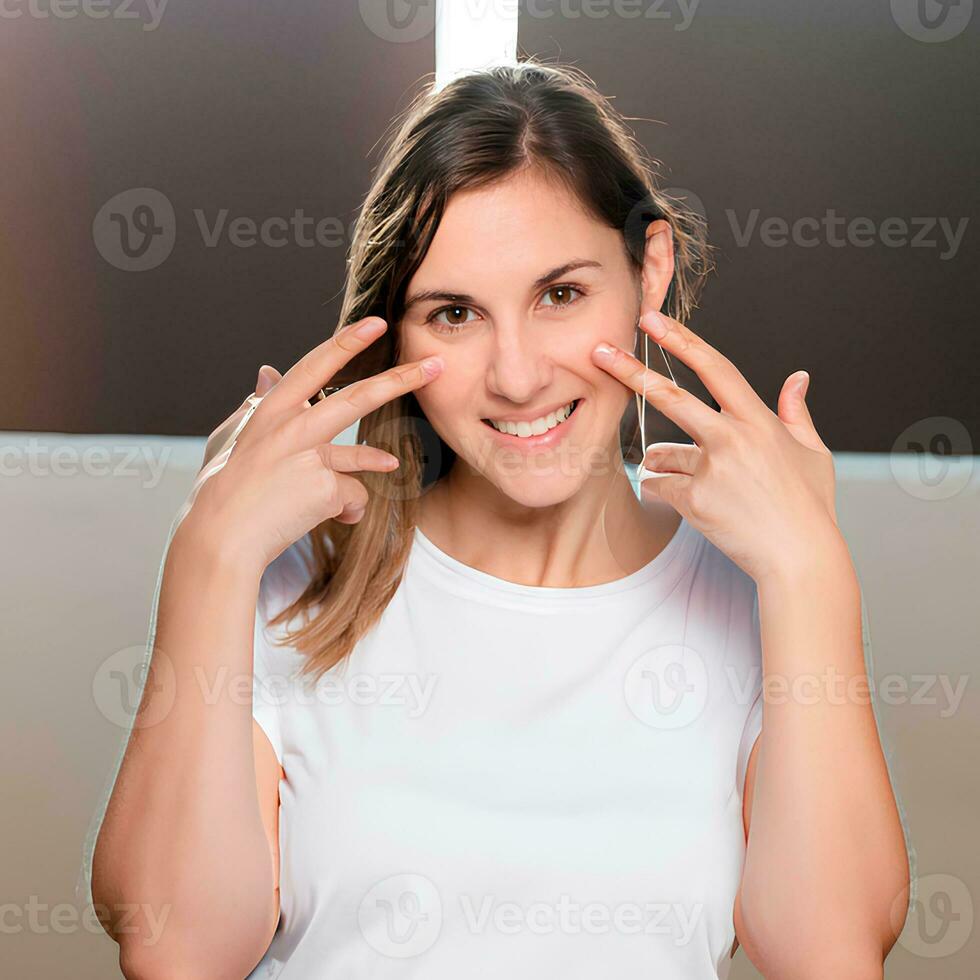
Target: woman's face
x,y
528,283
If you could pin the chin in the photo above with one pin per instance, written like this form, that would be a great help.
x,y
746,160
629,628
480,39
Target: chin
x,y
537,489
541,478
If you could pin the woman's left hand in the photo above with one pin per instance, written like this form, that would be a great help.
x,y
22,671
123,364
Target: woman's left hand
x,y
759,485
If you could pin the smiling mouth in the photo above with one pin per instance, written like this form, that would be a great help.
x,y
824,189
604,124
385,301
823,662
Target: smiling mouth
x,y
538,426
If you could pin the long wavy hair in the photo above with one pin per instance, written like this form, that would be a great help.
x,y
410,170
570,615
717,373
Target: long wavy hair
x,y
482,127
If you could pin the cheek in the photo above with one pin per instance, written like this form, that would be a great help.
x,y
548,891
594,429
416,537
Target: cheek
x,y
579,345
445,400
410,344
432,403
610,318
612,398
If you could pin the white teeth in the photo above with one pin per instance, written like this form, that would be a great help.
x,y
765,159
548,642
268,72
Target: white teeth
x,y
537,426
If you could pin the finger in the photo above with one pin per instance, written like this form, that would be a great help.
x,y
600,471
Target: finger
x,y
354,499
680,406
329,417
268,377
671,488
354,459
672,457
794,411
314,369
791,406
350,516
719,375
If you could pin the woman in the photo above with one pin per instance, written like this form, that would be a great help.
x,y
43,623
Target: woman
x,y
505,715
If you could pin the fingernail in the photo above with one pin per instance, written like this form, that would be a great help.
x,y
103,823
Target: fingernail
x,y
432,365
264,380
604,350
372,328
803,385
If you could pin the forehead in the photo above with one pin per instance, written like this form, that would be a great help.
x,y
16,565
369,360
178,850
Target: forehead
x,y
510,232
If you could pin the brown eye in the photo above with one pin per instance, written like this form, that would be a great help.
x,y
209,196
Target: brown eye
x,y
563,292
452,323
456,314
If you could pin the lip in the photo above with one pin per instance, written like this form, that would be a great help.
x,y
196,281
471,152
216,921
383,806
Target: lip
x,y
546,440
541,413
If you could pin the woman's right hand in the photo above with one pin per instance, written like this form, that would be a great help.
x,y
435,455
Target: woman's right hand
x,y
282,476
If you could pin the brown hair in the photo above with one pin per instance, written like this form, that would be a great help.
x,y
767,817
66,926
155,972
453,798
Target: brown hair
x,y
481,127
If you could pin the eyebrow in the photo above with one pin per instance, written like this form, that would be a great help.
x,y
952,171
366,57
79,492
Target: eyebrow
x,y
427,295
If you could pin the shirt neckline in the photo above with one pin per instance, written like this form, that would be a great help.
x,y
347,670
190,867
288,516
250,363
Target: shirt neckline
x,y
475,583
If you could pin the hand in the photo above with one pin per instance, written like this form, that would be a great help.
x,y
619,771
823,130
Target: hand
x,y
759,485
281,476
222,436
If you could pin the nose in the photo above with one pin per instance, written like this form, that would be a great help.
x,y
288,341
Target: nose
x,y
520,363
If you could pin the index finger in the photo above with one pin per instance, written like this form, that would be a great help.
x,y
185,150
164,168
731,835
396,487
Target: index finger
x,y
315,368
688,411
329,417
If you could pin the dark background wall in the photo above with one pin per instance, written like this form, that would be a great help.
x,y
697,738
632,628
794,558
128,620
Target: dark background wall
x,y
855,118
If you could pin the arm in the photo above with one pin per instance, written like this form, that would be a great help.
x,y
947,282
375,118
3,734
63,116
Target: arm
x,y
826,861
186,858
183,841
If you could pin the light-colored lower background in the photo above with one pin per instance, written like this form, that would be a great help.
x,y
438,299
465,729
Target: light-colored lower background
x,y
84,524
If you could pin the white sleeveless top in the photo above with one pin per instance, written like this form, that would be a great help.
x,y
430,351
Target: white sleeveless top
x,y
516,781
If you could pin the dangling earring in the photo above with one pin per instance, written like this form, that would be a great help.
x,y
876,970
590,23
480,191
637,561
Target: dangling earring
x,y
641,402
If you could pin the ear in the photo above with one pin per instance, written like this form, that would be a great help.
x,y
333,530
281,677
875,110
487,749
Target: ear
x,y
658,265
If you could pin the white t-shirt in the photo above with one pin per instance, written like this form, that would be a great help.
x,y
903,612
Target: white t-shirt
x,y
516,781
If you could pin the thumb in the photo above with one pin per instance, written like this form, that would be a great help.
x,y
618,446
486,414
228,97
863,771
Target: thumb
x,y
794,412
268,377
792,408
